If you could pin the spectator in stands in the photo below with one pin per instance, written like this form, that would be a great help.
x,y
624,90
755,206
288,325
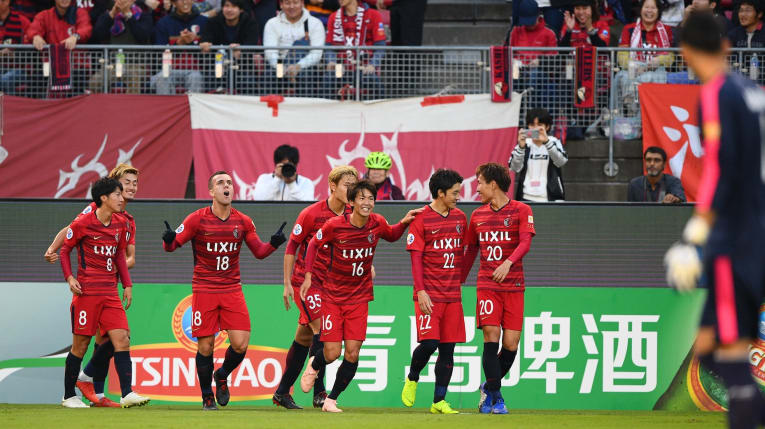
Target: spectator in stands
x,y
378,166
293,26
534,68
749,33
584,27
647,65
13,26
262,11
723,23
537,178
64,25
674,11
655,186
284,184
180,28
233,27
552,10
354,25
124,23
322,9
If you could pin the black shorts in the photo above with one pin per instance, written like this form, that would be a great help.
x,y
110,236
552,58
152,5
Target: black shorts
x,y
735,294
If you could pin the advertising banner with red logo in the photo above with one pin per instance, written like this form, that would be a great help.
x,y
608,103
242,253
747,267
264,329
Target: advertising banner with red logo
x,y
58,148
670,121
239,134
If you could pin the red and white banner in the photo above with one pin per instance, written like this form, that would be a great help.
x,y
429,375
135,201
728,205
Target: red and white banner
x,y
57,148
239,134
670,121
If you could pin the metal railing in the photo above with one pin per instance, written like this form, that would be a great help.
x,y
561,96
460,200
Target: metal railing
x,y
546,76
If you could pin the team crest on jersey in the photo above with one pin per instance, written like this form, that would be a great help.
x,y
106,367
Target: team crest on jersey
x,y
117,237
319,235
179,229
459,229
507,221
298,229
69,233
371,237
87,210
410,238
236,232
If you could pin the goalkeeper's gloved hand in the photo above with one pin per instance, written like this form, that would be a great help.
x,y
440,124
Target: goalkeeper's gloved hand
x,y
169,235
278,238
682,260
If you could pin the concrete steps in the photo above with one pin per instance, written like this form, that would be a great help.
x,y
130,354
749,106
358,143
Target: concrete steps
x,y
466,22
584,174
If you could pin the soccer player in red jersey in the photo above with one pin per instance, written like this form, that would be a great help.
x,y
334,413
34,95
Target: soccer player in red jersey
x,y
435,243
100,237
308,222
502,230
92,378
347,287
217,233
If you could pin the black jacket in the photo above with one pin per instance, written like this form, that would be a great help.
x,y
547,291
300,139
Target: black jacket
x,y
247,31
137,31
738,38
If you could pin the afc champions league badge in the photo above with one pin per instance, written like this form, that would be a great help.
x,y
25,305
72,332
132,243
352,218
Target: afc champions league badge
x,y
183,317
410,238
298,229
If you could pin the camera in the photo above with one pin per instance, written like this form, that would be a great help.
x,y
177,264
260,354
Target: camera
x,y
288,170
532,134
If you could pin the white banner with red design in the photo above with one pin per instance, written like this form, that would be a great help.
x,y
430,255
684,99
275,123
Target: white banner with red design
x,y
239,134
670,121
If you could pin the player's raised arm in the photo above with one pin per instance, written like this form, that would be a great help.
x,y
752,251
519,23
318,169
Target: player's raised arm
x,y
260,249
172,240
51,254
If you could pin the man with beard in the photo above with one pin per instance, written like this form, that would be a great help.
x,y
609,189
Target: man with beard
x,y
656,186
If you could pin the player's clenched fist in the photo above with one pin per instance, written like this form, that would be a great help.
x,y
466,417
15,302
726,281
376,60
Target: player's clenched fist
x,y
169,235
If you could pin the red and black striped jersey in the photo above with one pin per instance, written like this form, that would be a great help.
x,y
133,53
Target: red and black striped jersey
x,y
309,221
441,239
98,246
351,251
216,244
497,234
130,221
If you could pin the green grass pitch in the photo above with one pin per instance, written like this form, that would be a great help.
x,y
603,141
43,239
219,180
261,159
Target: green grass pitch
x,y
191,417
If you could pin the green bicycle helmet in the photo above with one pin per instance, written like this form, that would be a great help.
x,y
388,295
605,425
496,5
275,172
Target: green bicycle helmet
x,y
378,160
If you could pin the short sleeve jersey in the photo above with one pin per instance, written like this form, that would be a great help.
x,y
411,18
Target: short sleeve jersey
x,y
372,29
216,244
441,239
128,217
351,250
97,247
309,221
497,234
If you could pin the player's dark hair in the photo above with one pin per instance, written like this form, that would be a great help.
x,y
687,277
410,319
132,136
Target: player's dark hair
x,y
237,3
493,172
542,115
104,186
657,150
443,180
210,182
359,186
701,32
286,151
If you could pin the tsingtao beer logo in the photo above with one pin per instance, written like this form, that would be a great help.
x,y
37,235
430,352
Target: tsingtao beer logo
x,y
167,371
